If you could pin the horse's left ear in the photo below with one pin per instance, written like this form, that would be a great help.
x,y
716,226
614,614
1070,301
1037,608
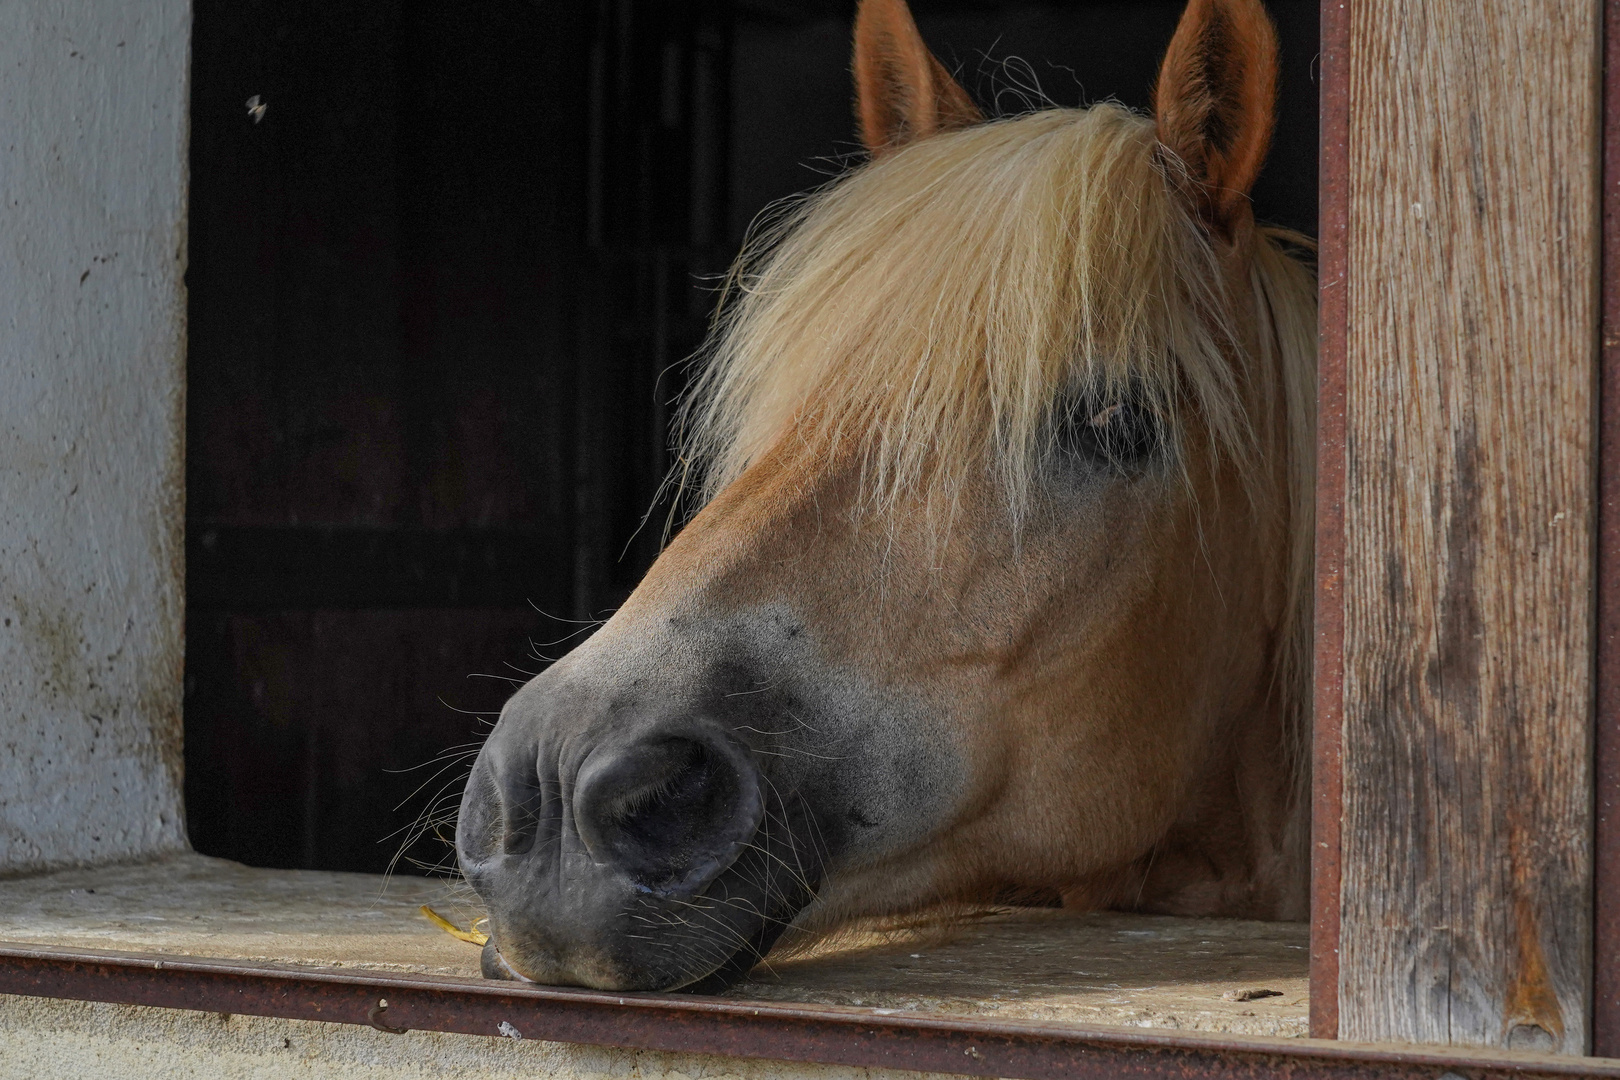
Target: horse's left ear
x,y
1215,102
902,92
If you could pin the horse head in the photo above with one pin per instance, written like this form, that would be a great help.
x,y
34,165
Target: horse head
x,y
1000,583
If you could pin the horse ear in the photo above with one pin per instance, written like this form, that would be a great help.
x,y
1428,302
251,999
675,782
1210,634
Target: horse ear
x,y
1215,101
902,92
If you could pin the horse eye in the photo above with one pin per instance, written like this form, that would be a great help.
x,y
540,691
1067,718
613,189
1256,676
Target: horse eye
x,y
1123,434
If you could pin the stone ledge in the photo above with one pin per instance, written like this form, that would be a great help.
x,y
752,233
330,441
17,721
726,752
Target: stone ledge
x,y
1046,965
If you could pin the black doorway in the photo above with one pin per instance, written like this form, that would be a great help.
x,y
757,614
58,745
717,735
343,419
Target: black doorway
x,y
439,292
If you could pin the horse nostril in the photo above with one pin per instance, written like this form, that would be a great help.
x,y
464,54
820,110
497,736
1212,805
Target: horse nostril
x,y
672,811
507,807
522,804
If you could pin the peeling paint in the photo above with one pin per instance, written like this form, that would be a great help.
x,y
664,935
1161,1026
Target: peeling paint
x,y
92,386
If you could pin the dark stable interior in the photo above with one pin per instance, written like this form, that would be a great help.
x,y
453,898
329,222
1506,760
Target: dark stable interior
x,y
440,292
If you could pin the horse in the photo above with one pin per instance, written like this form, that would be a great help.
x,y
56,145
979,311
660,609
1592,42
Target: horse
x,y
999,590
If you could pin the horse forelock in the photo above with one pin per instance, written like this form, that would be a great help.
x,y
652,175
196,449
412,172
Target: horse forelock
x,y
938,305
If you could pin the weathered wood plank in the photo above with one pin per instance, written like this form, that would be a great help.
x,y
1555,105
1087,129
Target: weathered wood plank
x,y
1469,509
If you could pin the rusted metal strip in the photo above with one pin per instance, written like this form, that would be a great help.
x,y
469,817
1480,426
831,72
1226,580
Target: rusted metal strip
x,y
1606,847
1326,765
873,1038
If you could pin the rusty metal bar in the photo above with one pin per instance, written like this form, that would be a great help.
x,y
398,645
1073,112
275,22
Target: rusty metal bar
x,y
871,1038
1326,765
1606,846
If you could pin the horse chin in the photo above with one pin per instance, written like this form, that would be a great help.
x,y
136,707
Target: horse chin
x,y
733,970
528,966
737,966
604,931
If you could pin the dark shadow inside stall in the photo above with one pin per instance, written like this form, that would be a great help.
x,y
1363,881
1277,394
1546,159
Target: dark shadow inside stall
x,y
440,288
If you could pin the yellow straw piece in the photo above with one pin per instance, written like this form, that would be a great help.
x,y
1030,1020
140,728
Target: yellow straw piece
x,y
472,934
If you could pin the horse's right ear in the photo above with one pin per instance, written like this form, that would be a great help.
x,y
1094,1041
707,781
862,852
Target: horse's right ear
x,y
902,92
1215,101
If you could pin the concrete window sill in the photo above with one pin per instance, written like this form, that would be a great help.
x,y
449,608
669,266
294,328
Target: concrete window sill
x,y
1113,969
1033,994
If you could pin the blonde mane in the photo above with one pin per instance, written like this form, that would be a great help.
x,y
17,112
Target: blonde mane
x,y
934,309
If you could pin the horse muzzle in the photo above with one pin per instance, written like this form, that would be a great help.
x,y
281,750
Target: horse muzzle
x,y
629,851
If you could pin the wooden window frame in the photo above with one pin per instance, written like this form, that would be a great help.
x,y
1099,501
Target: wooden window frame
x,y
1606,751
1328,761
882,1038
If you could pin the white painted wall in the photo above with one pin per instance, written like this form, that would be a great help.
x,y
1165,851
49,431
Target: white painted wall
x,y
93,107
80,1040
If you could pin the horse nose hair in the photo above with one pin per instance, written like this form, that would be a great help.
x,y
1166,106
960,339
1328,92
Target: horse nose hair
x,y
670,810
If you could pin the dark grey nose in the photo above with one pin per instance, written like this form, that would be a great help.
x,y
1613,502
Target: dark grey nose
x,y
671,811
628,852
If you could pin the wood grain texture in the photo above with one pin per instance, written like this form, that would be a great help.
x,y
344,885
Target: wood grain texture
x,y
1469,512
